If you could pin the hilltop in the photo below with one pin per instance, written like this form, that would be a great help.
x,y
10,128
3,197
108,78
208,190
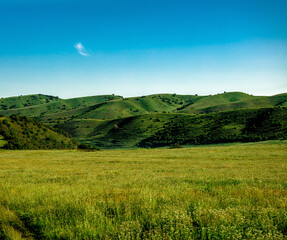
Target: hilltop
x,y
26,101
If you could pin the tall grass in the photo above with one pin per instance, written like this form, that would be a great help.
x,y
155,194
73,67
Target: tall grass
x,y
223,192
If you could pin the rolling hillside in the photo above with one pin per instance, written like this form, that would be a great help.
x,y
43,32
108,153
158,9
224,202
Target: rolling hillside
x,y
156,120
248,125
156,130
18,132
102,107
123,132
25,101
50,110
113,107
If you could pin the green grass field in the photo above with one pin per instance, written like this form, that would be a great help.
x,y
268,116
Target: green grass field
x,y
236,191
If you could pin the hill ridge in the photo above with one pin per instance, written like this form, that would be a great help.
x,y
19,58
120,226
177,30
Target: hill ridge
x,y
114,121
113,107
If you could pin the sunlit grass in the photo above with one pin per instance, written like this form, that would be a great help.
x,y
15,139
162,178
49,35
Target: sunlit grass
x,y
214,192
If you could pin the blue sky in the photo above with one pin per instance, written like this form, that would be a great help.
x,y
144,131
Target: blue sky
x,y
138,47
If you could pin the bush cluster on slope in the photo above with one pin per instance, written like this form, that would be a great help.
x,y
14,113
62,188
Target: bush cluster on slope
x,y
24,133
223,127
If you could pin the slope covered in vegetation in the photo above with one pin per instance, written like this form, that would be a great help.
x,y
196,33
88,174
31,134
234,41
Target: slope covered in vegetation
x,y
114,107
18,132
2,141
122,132
235,126
155,130
60,109
111,121
26,101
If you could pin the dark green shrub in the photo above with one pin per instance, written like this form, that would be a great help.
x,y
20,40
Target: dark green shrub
x,y
87,147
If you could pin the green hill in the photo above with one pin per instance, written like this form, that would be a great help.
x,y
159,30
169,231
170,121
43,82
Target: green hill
x,y
248,125
136,106
18,132
111,121
62,109
279,100
122,132
220,99
113,107
154,130
228,102
25,101
102,107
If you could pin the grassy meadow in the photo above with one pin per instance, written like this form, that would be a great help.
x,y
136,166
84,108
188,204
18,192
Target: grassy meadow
x,y
236,191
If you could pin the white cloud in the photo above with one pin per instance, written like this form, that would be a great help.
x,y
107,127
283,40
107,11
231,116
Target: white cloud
x,y
81,49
